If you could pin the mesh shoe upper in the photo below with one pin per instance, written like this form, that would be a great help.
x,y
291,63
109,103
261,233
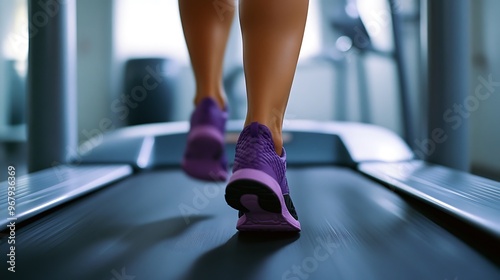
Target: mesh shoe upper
x,y
204,157
255,149
208,113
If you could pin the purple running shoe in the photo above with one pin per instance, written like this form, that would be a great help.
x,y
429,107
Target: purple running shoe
x,y
258,187
204,157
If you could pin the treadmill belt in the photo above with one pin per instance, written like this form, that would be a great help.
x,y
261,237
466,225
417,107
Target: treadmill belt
x,y
163,225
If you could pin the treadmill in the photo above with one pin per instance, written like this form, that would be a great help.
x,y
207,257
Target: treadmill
x,y
127,211
124,209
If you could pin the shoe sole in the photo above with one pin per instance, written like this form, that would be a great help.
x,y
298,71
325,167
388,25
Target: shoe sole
x,y
259,196
207,143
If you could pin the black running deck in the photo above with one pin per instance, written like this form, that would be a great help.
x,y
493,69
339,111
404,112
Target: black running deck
x,y
163,225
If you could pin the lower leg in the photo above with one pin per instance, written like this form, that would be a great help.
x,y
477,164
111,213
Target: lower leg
x,y
206,26
272,36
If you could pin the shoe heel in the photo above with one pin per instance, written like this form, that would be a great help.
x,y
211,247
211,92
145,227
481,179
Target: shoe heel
x,y
238,190
204,157
259,197
205,142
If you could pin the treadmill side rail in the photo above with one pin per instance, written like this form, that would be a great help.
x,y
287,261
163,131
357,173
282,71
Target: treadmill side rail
x,y
45,189
471,198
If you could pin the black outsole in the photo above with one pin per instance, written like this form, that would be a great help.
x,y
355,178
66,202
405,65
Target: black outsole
x,y
268,200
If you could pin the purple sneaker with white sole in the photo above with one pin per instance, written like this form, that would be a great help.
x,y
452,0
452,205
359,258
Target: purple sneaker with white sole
x,y
204,157
258,187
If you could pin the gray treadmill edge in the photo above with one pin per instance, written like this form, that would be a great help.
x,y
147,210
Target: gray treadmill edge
x,y
470,198
40,191
345,143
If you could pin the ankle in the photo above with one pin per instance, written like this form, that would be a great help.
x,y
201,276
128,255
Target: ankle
x,y
218,96
278,141
276,135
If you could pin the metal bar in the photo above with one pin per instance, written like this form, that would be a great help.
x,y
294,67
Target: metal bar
x,y
51,83
404,96
448,66
364,96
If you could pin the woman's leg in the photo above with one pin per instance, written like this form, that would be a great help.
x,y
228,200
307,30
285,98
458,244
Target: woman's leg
x,y
272,36
206,25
